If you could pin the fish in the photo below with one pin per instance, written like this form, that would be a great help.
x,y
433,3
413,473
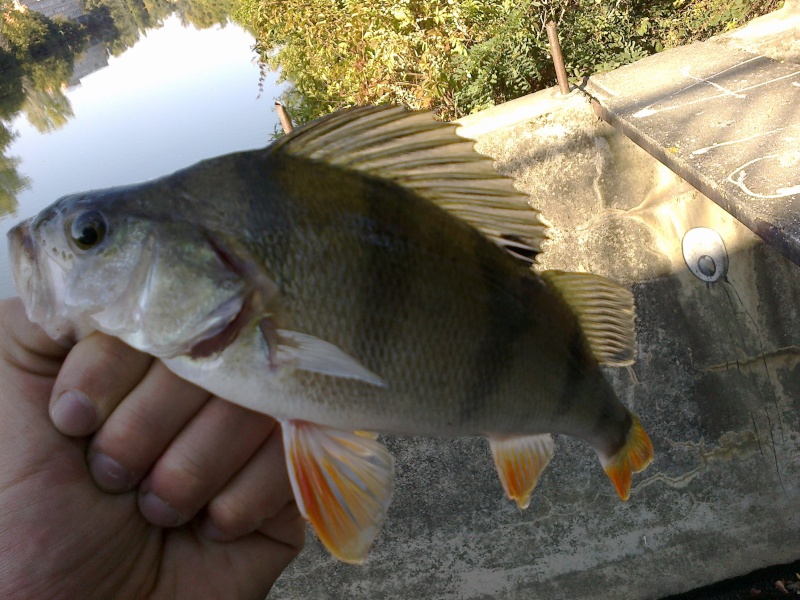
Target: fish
x,y
369,272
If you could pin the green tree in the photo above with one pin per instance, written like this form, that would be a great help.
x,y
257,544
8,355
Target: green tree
x,y
36,59
130,19
459,56
11,182
11,93
47,107
32,36
44,49
205,13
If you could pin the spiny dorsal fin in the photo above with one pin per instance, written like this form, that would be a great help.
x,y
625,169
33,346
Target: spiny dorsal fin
x,y
427,156
605,312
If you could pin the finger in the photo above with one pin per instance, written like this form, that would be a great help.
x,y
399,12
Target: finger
x,y
97,374
25,344
249,566
128,444
206,454
256,494
286,527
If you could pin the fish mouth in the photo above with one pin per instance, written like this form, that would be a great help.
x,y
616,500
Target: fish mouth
x,y
22,251
34,282
26,272
20,241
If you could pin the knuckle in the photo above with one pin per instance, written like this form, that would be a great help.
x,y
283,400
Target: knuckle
x,y
101,367
231,513
183,481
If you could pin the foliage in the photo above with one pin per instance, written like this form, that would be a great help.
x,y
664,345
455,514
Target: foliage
x,y
459,56
11,182
40,59
11,93
32,36
205,13
685,21
129,18
46,107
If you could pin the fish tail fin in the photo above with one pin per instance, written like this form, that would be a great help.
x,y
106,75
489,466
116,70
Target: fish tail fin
x,y
634,456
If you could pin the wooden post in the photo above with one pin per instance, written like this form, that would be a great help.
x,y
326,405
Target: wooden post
x,y
283,116
558,59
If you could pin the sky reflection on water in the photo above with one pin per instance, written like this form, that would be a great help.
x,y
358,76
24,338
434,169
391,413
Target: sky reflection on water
x,y
178,96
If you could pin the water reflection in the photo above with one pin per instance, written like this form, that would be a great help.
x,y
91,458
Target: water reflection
x,y
180,95
11,182
42,57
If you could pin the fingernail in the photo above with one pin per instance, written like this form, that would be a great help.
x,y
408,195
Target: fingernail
x,y
73,413
109,474
159,512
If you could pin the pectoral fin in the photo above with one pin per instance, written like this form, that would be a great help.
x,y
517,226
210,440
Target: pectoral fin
x,y
342,484
519,461
309,353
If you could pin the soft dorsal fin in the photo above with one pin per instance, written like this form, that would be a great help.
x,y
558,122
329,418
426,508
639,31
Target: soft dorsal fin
x,y
428,157
605,312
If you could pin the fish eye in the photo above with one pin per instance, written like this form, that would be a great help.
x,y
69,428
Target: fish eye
x,y
88,229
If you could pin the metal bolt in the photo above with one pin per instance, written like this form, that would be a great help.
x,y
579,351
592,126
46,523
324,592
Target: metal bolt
x,y
705,254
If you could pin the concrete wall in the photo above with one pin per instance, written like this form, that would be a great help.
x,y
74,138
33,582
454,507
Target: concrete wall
x,y
717,390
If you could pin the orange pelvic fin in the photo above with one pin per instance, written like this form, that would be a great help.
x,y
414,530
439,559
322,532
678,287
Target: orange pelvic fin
x,y
342,484
634,456
519,461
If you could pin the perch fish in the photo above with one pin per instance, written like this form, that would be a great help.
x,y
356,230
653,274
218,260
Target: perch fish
x,y
369,272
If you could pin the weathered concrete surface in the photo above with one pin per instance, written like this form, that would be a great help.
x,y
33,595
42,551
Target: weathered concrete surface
x,y
725,119
717,390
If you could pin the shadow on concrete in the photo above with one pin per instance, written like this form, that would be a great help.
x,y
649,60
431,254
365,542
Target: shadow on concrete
x,y
762,585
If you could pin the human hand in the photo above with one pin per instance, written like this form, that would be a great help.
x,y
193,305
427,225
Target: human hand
x,y
217,468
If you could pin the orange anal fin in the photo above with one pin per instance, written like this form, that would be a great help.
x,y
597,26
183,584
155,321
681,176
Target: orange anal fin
x,y
342,484
520,461
634,456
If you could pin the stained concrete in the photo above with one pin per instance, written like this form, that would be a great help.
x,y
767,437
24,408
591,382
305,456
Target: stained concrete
x,y
717,380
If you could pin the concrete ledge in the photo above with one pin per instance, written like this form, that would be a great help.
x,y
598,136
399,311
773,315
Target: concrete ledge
x,y
724,119
516,111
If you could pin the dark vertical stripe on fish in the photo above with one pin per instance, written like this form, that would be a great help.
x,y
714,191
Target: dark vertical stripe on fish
x,y
575,376
388,272
505,323
278,224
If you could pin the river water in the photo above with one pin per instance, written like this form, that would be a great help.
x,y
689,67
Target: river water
x,y
177,96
